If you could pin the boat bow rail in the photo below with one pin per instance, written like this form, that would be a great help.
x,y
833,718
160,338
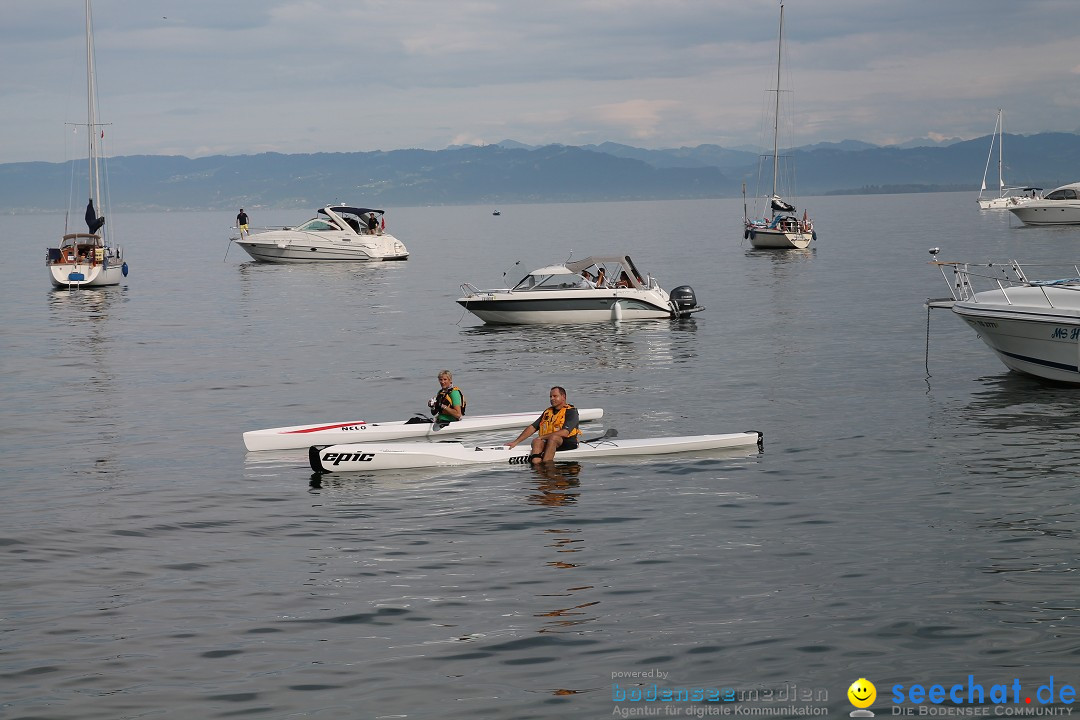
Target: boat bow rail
x,y
970,281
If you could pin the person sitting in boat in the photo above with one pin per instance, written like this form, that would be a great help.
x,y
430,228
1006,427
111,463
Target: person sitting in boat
x,y
558,428
624,281
448,404
600,279
588,278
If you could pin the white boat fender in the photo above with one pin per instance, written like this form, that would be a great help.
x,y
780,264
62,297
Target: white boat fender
x,y
616,312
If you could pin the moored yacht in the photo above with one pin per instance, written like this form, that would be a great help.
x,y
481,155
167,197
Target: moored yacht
x,y
596,289
1060,206
778,226
89,259
337,233
1033,326
1007,196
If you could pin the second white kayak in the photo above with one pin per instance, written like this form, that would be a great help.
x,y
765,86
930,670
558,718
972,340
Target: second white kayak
x,y
391,456
303,436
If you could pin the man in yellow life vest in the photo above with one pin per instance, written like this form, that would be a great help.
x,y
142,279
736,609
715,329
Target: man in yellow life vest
x,y
558,426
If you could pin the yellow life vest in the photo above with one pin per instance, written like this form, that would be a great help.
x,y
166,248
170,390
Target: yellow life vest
x,y
443,397
551,421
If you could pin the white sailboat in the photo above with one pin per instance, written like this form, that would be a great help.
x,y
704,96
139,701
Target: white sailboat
x,y
87,259
1007,196
778,226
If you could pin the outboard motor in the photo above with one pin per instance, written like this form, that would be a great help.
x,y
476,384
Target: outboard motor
x,y
683,299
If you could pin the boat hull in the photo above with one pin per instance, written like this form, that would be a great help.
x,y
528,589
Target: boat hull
x,y
1002,203
303,436
776,239
270,247
581,307
365,457
72,275
1039,212
1040,341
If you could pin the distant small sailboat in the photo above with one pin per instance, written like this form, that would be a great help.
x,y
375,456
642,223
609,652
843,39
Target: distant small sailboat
x,y
778,227
1006,195
87,259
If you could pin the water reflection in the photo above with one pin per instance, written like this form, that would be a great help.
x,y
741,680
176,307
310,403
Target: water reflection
x,y
375,284
80,344
557,485
783,257
602,346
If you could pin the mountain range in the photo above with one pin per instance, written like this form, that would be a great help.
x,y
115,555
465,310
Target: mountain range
x,y
510,172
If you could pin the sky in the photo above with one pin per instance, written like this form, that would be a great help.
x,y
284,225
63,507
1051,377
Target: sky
x,y
239,77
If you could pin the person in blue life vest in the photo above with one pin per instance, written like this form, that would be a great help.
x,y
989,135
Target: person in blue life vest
x,y
558,428
448,404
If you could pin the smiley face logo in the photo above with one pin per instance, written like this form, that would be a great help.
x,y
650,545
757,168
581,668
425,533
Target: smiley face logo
x,y
862,693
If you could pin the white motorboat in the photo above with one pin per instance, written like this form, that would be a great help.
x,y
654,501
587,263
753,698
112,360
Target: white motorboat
x,y
1032,325
335,433
1060,206
395,456
88,259
777,226
337,233
1007,196
596,289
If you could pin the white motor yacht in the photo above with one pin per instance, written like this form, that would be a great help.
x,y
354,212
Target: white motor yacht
x,y
1060,206
338,233
1032,325
596,289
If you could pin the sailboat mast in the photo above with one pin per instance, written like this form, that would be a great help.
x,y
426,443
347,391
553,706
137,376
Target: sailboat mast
x,y
1001,152
91,118
776,114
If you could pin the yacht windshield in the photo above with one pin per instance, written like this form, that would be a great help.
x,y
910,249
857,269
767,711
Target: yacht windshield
x,y
316,224
561,281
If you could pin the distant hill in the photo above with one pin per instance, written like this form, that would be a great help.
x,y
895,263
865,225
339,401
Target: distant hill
x,y
511,172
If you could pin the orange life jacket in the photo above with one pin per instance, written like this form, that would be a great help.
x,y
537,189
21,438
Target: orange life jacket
x,y
551,421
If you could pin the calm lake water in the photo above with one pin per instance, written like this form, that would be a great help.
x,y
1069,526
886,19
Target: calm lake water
x,y
901,527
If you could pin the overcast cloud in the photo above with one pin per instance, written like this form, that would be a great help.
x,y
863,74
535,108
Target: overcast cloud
x,y
205,77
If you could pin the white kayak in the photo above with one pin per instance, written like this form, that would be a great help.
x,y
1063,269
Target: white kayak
x,y
393,456
302,436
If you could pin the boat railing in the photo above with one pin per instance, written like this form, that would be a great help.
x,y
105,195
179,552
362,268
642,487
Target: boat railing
x,y
471,290
1003,276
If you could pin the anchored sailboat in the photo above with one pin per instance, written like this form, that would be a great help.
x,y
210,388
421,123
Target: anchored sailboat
x,y
778,226
87,259
1007,196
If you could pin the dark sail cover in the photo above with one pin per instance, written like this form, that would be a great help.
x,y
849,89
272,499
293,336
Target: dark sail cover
x,y
93,222
780,206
